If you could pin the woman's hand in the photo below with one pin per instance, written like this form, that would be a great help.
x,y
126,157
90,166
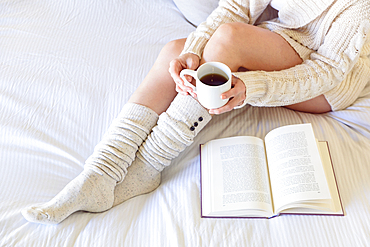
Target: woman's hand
x,y
185,61
236,96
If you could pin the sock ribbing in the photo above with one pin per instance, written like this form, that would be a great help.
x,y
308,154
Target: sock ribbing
x,y
175,130
93,189
118,147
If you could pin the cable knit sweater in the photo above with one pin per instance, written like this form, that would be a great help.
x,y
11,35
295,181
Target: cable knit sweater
x,y
332,37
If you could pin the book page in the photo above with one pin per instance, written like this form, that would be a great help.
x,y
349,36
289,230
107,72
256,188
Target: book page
x,y
296,171
335,204
238,176
323,207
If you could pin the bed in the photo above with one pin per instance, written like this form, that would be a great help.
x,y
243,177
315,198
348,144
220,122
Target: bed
x,y
66,70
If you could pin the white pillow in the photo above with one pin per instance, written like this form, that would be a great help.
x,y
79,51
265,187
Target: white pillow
x,y
196,11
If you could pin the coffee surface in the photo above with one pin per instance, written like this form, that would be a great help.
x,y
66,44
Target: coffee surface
x,y
213,79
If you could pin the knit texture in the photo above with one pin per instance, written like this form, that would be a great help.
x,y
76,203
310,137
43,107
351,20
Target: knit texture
x,y
141,179
93,189
329,34
89,191
175,130
118,147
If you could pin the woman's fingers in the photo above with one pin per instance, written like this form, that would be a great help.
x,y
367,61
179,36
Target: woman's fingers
x,y
186,61
236,96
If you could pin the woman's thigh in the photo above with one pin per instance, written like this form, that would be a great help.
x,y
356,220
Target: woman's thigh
x,y
246,47
250,47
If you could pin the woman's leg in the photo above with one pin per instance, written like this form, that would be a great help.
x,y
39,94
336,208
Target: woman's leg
x,y
240,46
176,129
243,46
315,105
237,45
158,89
93,189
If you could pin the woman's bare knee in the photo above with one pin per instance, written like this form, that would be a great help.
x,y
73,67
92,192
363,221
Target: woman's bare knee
x,y
224,46
254,48
174,47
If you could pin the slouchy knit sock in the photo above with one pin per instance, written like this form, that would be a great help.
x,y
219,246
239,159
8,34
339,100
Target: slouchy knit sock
x,y
175,130
93,189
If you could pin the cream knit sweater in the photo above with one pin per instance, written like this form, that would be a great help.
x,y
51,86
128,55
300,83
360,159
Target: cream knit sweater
x,y
332,36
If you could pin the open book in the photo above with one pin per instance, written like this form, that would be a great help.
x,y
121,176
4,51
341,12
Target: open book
x,y
288,172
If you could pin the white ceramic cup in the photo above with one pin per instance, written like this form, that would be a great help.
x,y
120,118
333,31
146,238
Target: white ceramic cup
x,y
208,95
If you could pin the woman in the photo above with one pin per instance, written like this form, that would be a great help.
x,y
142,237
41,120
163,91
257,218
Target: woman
x,y
307,55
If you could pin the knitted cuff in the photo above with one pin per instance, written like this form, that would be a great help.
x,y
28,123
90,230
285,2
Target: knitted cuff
x,y
255,87
189,112
175,130
194,45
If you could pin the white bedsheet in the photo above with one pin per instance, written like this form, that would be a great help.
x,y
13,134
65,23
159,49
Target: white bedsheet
x,y
67,68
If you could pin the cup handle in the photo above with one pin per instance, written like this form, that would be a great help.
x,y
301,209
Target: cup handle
x,y
190,72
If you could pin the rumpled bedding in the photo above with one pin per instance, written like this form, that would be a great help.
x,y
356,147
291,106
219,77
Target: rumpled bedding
x,y
66,70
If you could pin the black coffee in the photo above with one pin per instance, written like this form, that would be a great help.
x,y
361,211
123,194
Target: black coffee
x,y
213,79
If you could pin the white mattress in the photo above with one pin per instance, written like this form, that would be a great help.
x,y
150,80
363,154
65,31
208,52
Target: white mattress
x,y
67,68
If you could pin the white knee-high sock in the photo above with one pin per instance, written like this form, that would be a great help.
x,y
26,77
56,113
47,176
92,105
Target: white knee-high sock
x,y
93,189
175,130
119,145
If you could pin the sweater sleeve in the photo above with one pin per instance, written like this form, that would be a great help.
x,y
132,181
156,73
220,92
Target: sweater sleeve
x,y
228,11
326,68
